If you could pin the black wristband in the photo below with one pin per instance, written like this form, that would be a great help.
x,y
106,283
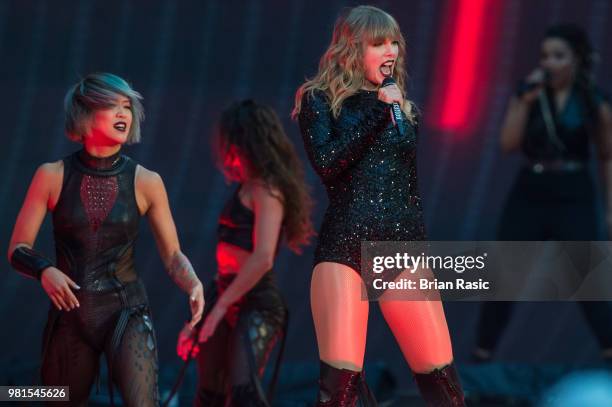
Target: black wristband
x,y
29,262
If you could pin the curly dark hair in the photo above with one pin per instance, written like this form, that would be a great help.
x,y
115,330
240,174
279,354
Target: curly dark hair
x,y
256,132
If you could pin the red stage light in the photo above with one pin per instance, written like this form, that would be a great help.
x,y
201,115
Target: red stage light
x,y
465,59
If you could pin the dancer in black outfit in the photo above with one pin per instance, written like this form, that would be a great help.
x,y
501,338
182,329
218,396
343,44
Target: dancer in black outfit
x,y
369,171
555,116
246,314
97,196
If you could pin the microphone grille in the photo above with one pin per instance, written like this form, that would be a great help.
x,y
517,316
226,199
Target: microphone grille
x,y
388,81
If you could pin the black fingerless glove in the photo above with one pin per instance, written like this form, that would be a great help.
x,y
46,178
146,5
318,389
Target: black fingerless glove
x,y
29,262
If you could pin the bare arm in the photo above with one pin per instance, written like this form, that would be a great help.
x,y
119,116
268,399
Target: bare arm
x,y
157,210
266,232
35,206
268,219
151,193
513,127
42,196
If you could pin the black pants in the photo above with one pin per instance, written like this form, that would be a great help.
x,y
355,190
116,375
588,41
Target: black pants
x,y
548,206
75,341
231,363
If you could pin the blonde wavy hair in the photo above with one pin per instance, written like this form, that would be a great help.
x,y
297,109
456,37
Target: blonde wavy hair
x,y
341,70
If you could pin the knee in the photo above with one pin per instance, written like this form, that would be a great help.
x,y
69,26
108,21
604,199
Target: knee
x,y
354,366
429,365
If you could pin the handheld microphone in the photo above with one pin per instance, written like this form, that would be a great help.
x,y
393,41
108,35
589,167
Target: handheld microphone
x,y
525,86
396,109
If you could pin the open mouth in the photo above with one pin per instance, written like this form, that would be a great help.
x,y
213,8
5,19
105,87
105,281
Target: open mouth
x,y
386,69
121,126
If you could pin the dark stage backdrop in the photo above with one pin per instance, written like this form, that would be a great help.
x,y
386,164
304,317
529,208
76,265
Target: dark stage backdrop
x,y
191,58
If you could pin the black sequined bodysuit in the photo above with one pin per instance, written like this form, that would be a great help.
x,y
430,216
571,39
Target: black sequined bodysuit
x,y
369,172
95,226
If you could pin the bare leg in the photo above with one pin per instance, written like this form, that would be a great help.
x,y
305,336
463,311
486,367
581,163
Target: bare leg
x,y
340,315
421,331
341,322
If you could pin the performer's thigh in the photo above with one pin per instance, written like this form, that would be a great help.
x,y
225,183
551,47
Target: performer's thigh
x,y
421,331
135,366
340,315
70,361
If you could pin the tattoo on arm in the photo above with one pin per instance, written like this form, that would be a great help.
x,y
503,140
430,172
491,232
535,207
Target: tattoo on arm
x,y
181,272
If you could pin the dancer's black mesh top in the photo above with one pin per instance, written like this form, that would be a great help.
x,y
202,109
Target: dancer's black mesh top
x,y
369,171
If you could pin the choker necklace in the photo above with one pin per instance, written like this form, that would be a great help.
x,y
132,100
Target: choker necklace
x,y
99,163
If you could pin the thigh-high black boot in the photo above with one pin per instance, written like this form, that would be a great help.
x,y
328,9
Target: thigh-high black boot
x,y
441,388
343,388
